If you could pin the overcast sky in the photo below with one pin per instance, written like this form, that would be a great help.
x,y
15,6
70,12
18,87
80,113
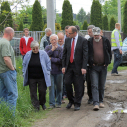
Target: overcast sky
x,y
76,5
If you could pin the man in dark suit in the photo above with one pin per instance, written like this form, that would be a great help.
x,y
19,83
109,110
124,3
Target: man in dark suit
x,y
74,64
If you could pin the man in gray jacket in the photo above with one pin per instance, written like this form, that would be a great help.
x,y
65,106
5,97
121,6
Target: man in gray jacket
x,y
45,40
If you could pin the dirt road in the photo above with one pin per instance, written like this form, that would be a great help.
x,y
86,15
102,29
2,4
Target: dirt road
x,y
115,102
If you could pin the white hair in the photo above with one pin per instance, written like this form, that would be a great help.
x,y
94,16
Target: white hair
x,y
47,30
34,44
53,36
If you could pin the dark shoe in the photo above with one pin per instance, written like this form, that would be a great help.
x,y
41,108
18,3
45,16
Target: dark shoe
x,y
90,102
44,107
69,105
76,108
51,107
58,106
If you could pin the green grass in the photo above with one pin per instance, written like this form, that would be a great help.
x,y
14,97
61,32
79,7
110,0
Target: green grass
x,y
120,68
25,114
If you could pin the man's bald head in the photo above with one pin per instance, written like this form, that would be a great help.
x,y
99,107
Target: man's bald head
x,y
8,30
60,38
8,33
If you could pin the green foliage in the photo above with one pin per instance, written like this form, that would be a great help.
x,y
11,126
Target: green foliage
x,y
57,26
20,28
5,9
74,23
110,8
81,16
67,14
125,18
37,22
85,25
96,14
112,23
58,18
105,22
25,114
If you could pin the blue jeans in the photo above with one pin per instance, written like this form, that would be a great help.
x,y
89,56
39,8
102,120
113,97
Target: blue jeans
x,y
98,78
8,88
117,60
56,85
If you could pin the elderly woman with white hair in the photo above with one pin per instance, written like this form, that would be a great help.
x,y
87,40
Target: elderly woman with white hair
x,y
36,73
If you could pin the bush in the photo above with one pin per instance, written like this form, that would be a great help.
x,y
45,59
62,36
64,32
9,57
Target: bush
x,y
96,14
125,18
105,22
112,23
67,14
85,25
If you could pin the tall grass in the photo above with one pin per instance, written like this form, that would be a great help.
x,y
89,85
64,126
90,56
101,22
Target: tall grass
x,y
25,114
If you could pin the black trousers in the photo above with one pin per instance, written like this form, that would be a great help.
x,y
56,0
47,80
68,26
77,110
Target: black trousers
x,y
75,78
39,84
88,80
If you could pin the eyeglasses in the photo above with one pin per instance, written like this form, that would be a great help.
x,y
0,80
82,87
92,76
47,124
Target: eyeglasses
x,y
70,33
35,48
60,39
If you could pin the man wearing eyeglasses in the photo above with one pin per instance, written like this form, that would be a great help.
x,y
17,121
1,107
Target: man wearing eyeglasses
x,y
74,64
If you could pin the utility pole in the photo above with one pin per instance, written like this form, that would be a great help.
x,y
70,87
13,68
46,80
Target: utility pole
x,y
119,12
51,15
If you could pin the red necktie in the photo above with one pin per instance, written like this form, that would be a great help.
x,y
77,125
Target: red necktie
x,y
72,50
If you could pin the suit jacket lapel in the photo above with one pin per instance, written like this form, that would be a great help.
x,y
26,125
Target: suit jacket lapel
x,y
69,47
78,41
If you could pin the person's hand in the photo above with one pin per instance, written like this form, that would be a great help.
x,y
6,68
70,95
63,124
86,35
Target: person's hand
x,y
120,51
63,70
83,71
54,47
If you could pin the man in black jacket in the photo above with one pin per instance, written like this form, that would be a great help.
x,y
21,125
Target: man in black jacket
x,y
99,57
74,63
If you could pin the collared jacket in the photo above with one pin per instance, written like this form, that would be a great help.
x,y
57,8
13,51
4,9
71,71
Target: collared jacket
x,y
23,47
44,42
56,59
45,63
106,50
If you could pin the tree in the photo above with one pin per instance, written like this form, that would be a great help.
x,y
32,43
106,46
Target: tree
x,y
105,22
112,23
88,18
96,14
67,14
5,10
85,25
125,18
37,22
20,28
58,18
81,15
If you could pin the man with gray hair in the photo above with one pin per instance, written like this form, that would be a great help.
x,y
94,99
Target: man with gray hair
x,y
99,54
88,80
8,83
89,31
45,40
55,53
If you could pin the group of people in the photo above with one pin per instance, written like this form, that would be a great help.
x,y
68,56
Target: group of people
x,y
61,62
